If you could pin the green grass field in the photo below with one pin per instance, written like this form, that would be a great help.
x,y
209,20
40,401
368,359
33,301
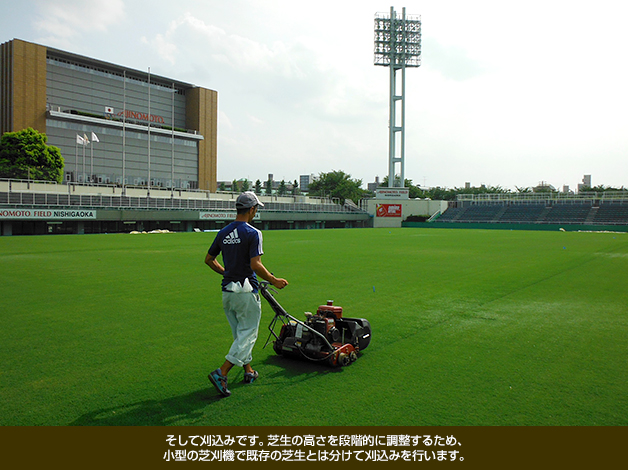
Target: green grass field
x,y
470,327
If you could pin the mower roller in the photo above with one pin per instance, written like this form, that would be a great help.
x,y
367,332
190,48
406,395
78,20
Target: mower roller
x,y
326,336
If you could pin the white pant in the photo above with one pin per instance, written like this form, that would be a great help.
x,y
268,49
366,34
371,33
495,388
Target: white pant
x,y
244,312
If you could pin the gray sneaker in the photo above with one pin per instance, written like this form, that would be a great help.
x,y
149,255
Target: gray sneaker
x,y
250,377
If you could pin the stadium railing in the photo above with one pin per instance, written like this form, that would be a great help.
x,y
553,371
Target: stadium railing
x,y
36,193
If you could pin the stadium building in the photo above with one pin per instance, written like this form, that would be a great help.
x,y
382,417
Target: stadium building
x,y
140,152
113,124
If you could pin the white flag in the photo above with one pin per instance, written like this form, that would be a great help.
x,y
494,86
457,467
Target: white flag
x,y
86,140
79,140
95,138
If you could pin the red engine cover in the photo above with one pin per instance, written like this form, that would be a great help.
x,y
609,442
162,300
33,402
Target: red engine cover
x,y
330,310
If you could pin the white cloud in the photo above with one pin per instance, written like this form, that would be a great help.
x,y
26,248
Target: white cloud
x,y
63,21
166,49
224,121
239,53
255,120
452,61
293,75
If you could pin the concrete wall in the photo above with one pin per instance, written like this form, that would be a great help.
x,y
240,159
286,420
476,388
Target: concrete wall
x,y
409,207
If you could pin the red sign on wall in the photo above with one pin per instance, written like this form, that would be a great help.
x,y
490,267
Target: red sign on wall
x,y
388,210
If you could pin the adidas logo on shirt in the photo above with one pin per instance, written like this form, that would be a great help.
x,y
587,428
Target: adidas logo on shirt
x,y
232,238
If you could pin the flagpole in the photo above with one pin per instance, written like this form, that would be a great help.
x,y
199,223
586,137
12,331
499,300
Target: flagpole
x,y
124,134
84,161
172,170
149,131
91,167
91,171
76,153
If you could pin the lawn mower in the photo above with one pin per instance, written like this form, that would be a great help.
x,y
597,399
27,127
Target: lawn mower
x,y
325,336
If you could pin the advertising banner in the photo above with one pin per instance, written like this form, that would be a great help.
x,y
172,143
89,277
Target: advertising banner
x,y
221,216
388,210
46,214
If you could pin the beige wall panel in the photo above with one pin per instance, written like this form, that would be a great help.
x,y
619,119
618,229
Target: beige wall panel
x,y
202,115
29,86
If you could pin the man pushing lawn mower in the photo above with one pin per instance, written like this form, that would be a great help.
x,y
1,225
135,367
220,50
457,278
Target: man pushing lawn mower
x,y
241,246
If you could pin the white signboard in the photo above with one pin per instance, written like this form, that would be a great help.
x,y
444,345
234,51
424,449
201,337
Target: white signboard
x,y
46,214
221,216
392,193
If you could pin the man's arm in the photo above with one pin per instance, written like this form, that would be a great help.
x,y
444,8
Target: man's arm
x,y
212,263
261,271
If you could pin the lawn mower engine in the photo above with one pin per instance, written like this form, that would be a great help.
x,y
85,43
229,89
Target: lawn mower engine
x,y
324,336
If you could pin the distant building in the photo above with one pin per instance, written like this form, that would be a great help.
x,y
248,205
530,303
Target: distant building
x,y
544,187
305,181
586,183
373,186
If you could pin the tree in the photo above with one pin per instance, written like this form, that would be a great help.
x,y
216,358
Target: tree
x,y
235,187
258,187
337,184
269,187
600,188
281,189
397,184
26,154
222,186
442,194
245,186
295,188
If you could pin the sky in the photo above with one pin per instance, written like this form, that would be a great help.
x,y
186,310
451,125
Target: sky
x,y
509,93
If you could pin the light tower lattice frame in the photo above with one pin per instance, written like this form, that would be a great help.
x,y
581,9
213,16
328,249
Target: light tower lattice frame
x,y
397,46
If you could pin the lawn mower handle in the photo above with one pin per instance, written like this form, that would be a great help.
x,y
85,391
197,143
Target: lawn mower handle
x,y
266,293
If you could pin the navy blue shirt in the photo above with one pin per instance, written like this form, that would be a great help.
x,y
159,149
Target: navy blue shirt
x,y
238,242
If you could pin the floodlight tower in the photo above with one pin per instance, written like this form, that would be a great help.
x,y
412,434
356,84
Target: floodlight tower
x,y
397,46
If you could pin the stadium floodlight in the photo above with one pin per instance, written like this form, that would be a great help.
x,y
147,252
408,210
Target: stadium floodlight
x,y
397,46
